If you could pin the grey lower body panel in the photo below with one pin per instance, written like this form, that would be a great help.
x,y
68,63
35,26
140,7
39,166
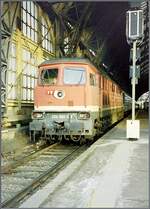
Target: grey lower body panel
x,y
69,124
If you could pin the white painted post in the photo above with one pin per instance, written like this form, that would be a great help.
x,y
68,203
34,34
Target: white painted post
x,y
133,80
134,33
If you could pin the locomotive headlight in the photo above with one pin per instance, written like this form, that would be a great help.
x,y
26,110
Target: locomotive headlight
x,y
59,94
37,115
83,115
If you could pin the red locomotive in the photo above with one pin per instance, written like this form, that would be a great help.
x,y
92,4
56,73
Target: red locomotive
x,y
74,101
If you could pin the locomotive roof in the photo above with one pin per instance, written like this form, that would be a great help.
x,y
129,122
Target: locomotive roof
x,y
66,60
71,60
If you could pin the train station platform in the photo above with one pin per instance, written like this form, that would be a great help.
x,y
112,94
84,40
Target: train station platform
x,y
113,172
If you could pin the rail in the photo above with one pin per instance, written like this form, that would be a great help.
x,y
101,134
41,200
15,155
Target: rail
x,y
14,200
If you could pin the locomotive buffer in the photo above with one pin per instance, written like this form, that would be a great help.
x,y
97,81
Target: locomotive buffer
x,y
134,33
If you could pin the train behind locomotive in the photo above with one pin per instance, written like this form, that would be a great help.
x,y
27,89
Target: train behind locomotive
x,y
74,101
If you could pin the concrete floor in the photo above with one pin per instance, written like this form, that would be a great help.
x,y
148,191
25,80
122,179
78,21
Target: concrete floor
x,y
113,172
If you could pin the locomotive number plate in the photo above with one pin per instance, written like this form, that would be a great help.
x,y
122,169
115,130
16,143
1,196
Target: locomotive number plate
x,y
60,116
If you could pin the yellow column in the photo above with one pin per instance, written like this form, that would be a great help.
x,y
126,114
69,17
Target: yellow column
x,y
19,44
39,56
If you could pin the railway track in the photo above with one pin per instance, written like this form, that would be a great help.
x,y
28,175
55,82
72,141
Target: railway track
x,y
31,170
11,161
24,179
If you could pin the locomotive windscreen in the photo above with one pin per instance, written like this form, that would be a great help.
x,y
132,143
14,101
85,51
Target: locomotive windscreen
x,y
74,75
49,76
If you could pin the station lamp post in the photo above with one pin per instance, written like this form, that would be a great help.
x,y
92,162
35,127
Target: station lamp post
x,y
134,34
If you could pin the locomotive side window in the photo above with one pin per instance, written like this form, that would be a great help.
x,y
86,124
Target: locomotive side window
x,y
74,75
113,87
49,76
92,80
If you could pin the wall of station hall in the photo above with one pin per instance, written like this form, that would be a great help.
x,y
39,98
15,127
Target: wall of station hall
x,y
32,42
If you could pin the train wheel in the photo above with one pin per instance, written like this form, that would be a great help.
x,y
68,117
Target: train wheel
x,y
75,138
48,138
66,137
